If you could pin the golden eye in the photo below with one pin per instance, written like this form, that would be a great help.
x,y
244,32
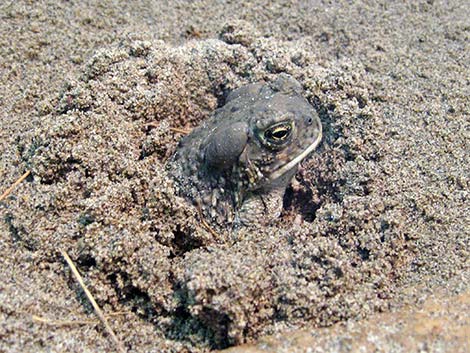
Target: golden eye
x,y
278,133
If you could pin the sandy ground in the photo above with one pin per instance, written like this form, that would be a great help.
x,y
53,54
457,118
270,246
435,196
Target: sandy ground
x,y
372,250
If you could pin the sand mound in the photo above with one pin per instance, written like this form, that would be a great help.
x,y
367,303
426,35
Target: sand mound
x,y
100,191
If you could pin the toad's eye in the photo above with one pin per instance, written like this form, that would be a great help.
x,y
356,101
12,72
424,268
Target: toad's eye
x,y
279,133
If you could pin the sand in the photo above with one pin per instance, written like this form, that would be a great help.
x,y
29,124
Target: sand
x,y
372,245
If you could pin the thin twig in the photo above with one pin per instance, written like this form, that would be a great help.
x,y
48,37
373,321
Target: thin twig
x,y
15,184
98,311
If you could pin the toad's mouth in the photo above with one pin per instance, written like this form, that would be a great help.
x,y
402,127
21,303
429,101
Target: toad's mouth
x,y
288,166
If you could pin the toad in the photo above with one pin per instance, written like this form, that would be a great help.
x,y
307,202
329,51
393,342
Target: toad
x,y
238,163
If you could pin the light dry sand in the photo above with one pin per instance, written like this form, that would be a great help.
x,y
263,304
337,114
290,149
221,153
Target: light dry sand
x,y
373,245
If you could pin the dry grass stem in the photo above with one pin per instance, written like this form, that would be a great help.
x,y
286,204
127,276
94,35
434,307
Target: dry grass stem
x,y
172,129
15,184
209,228
42,320
98,311
72,322
205,224
179,130
152,124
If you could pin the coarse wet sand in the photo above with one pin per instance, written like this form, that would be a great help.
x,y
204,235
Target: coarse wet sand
x,y
371,252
